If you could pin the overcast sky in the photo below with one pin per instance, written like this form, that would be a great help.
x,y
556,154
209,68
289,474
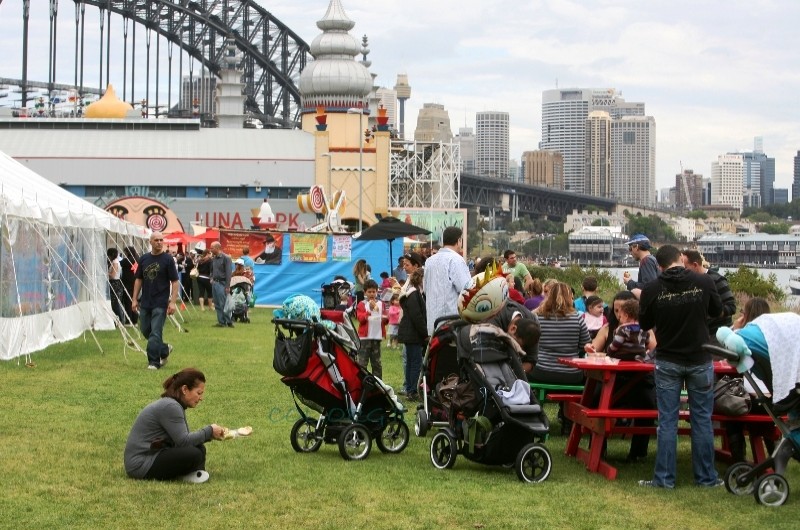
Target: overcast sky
x,y
714,74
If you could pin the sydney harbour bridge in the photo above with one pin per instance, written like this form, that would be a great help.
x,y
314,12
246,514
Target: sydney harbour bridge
x,y
129,40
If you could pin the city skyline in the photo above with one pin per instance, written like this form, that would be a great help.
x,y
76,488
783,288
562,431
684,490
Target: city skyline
x,y
711,82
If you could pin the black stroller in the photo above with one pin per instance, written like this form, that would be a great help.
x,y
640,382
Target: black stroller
x,y
493,417
242,295
742,478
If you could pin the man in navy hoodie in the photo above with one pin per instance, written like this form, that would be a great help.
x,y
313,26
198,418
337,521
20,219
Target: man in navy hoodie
x,y
676,306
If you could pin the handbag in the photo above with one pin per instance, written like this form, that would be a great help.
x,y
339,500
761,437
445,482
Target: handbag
x,y
291,352
730,397
194,273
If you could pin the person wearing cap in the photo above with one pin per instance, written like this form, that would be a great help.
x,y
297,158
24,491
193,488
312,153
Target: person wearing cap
x,y
639,247
446,275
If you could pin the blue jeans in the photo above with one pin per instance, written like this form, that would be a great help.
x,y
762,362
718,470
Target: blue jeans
x,y
218,291
699,379
413,365
151,322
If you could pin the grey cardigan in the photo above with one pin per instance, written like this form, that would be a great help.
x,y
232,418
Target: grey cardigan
x,y
163,420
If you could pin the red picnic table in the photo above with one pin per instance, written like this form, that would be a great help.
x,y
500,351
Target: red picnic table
x,y
599,417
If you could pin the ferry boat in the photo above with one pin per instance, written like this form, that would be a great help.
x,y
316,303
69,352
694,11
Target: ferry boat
x,y
794,282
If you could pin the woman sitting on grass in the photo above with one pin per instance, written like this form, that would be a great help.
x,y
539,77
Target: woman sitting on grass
x,y
160,446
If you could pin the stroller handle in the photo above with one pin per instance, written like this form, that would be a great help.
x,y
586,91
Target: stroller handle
x,y
296,324
728,355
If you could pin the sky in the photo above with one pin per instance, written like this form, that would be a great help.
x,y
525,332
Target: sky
x,y
714,74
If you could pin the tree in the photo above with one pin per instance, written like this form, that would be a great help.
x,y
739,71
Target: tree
x,y
697,214
774,228
652,226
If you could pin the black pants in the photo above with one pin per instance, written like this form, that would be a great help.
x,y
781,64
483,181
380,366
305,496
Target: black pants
x,y
175,462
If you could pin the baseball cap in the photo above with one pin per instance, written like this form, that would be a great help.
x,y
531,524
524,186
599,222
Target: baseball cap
x,y
239,261
640,240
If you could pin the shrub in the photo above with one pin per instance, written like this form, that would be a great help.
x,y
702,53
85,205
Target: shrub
x,y
748,281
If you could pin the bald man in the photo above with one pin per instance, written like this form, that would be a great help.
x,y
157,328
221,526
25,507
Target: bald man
x,y
221,268
157,281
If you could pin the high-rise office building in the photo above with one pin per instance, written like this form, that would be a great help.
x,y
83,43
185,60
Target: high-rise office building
x,y
543,168
388,98
796,179
433,124
633,160
564,115
201,91
597,153
726,180
491,144
466,145
688,190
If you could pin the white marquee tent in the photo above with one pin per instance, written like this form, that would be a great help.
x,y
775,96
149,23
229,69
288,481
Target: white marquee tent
x,y
53,272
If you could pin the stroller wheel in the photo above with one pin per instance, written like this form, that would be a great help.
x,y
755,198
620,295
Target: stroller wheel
x,y
533,463
304,436
355,442
421,423
732,476
443,451
394,436
771,490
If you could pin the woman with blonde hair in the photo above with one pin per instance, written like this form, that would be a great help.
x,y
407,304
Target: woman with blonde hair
x,y
563,334
361,275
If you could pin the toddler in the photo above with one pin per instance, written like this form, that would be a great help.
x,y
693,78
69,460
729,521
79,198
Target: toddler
x,y
594,316
630,341
394,314
369,313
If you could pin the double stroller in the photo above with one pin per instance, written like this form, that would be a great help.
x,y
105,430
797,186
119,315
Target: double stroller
x,y
486,410
354,406
742,478
242,295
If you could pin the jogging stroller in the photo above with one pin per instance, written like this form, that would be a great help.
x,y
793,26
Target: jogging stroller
x,y
742,478
493,417
242,294
353,406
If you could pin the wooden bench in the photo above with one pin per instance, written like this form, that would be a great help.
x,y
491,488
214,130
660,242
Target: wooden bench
x,y
542,390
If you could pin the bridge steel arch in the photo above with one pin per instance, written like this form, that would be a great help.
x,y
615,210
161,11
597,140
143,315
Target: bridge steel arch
x,y
487,193
274,55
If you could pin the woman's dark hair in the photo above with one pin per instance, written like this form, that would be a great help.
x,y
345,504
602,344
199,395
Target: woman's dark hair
x,y
593,301
754,308
111,254
613,322
191,377
130,253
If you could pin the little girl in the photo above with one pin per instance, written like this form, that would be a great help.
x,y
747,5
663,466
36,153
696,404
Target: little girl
x,y
395,313
594,316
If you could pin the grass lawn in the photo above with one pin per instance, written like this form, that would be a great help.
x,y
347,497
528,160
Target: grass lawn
x,y
65,421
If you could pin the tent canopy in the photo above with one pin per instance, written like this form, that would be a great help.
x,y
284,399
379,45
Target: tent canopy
x,y
53,272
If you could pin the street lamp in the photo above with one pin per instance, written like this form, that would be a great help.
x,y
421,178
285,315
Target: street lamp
x,y
360,167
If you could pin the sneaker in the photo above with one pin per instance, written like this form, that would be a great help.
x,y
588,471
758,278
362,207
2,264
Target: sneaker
x,y
196,477
152,367
218,325
230,324
165,358
652,484
716,484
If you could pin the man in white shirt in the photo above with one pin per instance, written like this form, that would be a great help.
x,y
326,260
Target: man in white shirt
x,y
446,275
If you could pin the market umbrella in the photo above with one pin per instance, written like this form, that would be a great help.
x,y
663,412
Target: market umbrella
x,y
180,238
389,228
209,235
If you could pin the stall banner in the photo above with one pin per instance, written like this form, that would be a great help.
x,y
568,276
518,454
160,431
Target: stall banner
x,y
309,248
342,248
233,241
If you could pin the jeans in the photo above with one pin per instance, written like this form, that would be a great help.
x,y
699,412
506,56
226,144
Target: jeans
x,y
412,367
218,290
151,322
699,380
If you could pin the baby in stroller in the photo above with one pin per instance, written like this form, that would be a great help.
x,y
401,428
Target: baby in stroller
x,y
241,292
493,418
769,349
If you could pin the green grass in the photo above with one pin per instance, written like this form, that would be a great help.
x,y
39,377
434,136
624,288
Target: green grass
x,y
64,423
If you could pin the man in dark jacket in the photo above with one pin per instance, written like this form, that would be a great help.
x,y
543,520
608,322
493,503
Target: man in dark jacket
x,y
676,306
693,260
639,247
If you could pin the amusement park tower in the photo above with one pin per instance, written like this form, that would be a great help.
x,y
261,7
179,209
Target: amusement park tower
x,y
403,90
